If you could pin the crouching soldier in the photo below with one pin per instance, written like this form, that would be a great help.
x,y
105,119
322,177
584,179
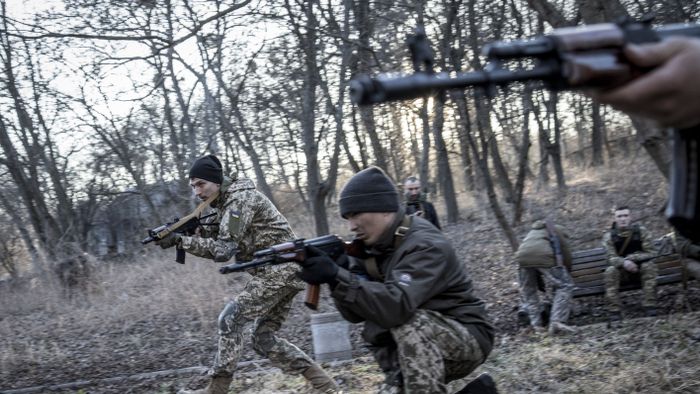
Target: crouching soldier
x,y
545,251
421,318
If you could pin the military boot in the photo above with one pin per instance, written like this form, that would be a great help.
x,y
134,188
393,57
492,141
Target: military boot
x,y
483,384
217,385
319,380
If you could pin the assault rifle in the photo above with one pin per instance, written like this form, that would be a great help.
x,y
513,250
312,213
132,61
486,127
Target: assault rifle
x,y
295,251
555,241
185,226
567,58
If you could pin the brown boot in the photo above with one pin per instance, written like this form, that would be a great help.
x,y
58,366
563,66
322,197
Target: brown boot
x,y
320,380
217,385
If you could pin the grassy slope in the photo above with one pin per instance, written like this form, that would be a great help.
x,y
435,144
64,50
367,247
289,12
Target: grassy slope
x,y
155,315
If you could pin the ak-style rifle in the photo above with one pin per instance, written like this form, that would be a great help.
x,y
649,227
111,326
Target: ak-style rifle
x,y
295,251
568,58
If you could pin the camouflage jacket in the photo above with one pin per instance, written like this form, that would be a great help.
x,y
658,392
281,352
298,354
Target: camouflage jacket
x,y
536,250
615,260
248,221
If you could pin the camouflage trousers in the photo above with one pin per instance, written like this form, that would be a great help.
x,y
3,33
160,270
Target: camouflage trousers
x,y
613,276
562,289
263,305
433,350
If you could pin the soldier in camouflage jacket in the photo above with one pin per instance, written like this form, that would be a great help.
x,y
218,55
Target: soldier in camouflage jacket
x,y
629,249
247,221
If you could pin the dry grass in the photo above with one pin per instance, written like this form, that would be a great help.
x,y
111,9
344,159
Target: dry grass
x,y
153,314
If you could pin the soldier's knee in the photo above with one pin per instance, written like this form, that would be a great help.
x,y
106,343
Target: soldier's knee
x,y
263,341
230,318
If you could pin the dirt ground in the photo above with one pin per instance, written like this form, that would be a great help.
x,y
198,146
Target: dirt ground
x,y
140,329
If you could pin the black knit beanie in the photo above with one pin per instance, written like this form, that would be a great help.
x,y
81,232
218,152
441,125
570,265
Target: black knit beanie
x,y
208,168
370,190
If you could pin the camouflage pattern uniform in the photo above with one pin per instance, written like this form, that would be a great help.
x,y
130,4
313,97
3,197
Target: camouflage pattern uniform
x,y
640,250
536,256
422,321
690,252
248,221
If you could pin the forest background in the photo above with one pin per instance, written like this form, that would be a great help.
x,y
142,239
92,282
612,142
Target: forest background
x,y
105,104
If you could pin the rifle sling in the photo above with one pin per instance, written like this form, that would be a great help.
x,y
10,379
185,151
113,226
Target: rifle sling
x,y
195,213
371,262
624,245
556,243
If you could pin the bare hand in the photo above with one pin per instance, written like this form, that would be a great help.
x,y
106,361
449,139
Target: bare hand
x,y
630,266
670,92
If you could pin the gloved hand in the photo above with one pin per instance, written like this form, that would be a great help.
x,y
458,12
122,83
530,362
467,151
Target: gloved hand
x,y
169,241
318,268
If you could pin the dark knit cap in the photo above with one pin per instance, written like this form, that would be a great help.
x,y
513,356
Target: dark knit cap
x,y
208,168
370,190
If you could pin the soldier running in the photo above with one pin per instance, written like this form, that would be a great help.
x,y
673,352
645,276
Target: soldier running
x,y
248,221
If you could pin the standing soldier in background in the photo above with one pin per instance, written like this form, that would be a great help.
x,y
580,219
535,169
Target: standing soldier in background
x,y
545,251
629,250
416,202
247,221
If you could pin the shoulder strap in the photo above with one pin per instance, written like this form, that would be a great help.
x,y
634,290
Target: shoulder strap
x,y
555,241
371,262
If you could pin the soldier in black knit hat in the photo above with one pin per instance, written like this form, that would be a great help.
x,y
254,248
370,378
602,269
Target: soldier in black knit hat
x,y
247,221
421,318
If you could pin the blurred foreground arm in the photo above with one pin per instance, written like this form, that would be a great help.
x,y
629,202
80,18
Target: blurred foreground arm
x,y
670,92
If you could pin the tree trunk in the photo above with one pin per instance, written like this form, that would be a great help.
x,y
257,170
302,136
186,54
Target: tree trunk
x,y
597,137
443,161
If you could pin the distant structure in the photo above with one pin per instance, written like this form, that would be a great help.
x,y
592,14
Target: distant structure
x,y
119,227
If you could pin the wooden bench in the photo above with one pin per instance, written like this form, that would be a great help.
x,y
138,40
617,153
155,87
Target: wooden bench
x,y
588,265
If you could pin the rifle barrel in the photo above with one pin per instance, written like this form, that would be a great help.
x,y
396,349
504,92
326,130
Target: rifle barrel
x,y
365,90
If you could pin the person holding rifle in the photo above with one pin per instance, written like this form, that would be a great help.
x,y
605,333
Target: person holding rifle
x,y
545,251
422,321
247,221
670,92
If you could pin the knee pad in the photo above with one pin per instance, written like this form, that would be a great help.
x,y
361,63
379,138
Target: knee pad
x,y
230,318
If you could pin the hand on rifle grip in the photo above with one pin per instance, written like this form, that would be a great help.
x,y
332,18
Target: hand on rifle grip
x,y
317,267
169,241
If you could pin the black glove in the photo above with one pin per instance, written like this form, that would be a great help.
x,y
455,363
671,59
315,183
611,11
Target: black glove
x,y
169,241
318,268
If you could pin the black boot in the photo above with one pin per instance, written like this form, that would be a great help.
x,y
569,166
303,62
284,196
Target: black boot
x,y
483,384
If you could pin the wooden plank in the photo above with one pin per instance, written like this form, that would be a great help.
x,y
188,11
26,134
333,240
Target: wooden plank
x,y
592,264
586,259
587,252
588,291
590,271
669,264
593,288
